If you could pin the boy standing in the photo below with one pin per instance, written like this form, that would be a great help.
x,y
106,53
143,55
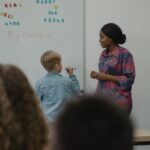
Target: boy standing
x,y
54,90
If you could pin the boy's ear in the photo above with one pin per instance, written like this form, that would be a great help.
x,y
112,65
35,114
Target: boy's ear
x,y
56,66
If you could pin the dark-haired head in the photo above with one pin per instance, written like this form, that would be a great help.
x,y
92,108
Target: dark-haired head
x,y
93,122
114,32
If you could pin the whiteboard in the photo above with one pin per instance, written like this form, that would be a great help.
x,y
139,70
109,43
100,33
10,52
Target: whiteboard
x,y
30,27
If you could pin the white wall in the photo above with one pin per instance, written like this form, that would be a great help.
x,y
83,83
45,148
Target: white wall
x,y
133,18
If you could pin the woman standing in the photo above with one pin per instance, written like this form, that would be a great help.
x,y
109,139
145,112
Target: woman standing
x,y
116,67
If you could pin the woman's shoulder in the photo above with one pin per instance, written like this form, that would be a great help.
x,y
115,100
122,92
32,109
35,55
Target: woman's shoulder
x,y
125,53
124,50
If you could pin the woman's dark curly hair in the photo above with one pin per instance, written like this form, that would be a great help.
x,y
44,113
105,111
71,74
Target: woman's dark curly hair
x,y
114,32
22,125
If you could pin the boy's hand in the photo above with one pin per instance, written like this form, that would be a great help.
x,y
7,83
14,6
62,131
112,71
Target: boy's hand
x,y
69,70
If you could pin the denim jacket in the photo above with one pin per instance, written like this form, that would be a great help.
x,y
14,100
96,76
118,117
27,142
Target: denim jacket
x,y
53,91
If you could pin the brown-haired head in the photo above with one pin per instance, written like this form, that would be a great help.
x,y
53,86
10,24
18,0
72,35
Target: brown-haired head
x,y
22,125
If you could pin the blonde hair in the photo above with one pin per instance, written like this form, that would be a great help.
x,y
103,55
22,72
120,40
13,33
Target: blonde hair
x,y
49,59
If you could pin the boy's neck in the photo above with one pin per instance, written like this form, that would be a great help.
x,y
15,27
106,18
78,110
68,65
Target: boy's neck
x,y
53,71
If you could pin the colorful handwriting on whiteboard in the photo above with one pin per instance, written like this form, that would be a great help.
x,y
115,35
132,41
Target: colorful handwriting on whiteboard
x,y
53,12
45,1
9,17
11,5
6,15
54,20
53,17
14,23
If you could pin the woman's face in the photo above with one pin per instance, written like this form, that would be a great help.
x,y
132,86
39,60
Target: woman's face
x,y
105,41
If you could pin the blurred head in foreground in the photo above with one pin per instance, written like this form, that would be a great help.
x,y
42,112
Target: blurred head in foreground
x,y
93,122
22,125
